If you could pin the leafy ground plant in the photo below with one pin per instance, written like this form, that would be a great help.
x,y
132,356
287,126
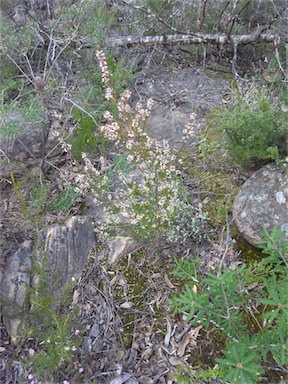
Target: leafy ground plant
x,y
242,363
225,299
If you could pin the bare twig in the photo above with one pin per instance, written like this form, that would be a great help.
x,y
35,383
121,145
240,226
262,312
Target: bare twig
x,y
63,49
216,28
203,15
81,109
29,65
48,53
235,17
14,62
285,72
25,148
235,48
226,245
156,17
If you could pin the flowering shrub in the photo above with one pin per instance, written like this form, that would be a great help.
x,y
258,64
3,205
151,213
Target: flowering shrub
x,y
152,196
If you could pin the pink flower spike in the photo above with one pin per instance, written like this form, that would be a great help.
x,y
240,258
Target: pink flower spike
x,y
76,332
109,94
150,104
103,65
30,376
66,382
107,115
81,370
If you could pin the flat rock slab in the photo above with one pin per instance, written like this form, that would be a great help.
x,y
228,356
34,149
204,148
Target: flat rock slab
x,y
262,202
176,95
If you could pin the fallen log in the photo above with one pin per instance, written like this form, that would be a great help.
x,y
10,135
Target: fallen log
x,y
199,38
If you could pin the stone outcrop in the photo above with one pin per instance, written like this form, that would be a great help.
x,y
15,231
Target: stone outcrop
x,y
262,202
67,248
15,278
64,250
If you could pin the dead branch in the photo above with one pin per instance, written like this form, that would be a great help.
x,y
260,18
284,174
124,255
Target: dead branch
x,y
200,38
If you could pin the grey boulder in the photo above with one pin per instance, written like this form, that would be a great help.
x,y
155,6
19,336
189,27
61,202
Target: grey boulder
x,y
262,202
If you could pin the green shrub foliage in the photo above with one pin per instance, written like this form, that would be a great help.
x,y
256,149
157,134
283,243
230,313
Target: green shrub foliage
x,y
254,128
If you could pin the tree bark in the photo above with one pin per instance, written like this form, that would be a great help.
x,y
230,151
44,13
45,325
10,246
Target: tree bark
x,y
198,38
